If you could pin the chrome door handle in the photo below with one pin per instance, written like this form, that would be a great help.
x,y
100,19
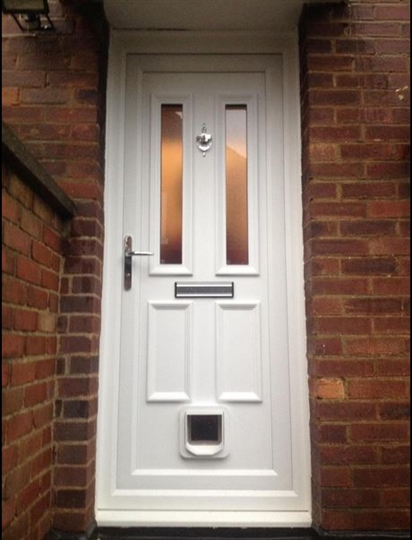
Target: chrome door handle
x,y
138,253
128,254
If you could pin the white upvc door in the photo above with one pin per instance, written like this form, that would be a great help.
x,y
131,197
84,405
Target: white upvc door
x,y
203,421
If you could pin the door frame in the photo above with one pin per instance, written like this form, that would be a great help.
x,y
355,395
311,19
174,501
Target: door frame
x,y
123,43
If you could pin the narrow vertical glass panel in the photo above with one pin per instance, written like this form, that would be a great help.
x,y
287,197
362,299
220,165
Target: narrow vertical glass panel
x,y
171,184
237,249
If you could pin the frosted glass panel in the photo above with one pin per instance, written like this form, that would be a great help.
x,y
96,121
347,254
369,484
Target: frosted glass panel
x,y
171,184
237,249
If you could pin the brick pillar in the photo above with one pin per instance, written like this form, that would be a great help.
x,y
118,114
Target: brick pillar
x,y
53,98
355,113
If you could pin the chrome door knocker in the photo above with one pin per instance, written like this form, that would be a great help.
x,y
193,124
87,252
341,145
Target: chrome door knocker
x,y
204,140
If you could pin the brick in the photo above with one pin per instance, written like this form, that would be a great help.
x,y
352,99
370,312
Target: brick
x,y
39,512
43,415
330,389
10,208
337,170
369,266
345,134
35,393
332,434
399,497
75,79
28,270
23,373
395,12
373,305
368,190
9,459
37,298
78,190
12,401
320,190
391,286
392,367
51,61
84,246
44,132
374,346
352,455
25,320
387,133
367,228
332,286
322,266
19,425
36,345
335,477
344,368
388,170
379,432
12,346
50,280
22,113
46,368
10,96
41,462
394,411
48,95
330,63
376,388
71,476
52,239
84,365
46,322
80,304
343,325
320,116
7,317
339,247
77,386
379,477
332,209
73,431
325,346
8,512
392,325
84,324
70,115
337,520
389,245
395,209
350,498
74,453
382,519
31,224
16,239
28,495
336,97
25,79
327,306
396,455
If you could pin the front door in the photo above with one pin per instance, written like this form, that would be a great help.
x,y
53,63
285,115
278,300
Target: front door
x,y
204,419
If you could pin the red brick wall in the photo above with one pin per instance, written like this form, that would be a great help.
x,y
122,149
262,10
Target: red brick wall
x,y
53,99
355,111
32,262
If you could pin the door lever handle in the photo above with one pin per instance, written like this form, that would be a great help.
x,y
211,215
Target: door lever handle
x,y
138,253
128,254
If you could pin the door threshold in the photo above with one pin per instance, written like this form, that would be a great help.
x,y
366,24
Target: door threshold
x,y
205,533
235,533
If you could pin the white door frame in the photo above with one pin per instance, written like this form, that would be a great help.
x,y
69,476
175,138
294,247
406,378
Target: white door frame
x,y
136,42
